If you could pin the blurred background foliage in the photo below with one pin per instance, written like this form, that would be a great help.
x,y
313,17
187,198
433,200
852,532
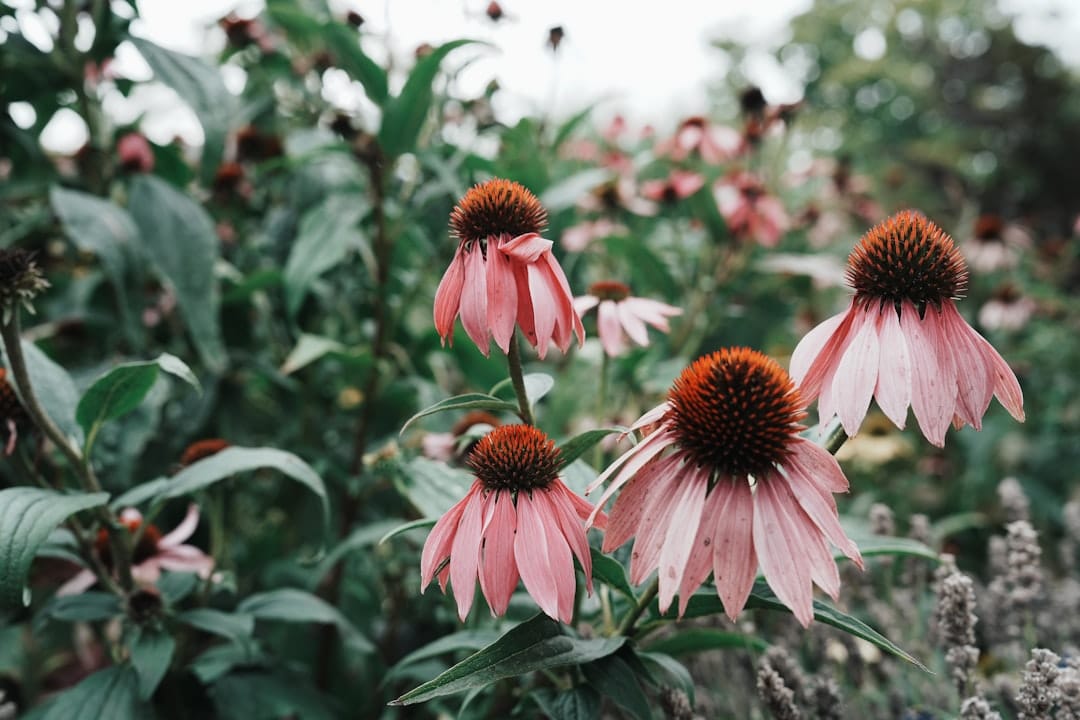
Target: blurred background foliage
x,y
292,261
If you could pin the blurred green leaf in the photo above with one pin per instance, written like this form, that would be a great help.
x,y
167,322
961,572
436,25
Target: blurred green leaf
x,y
614,678
54,388
151,654
406,527
608,570
110,693
578,703
293,605
566,193
345,43
200,86
433,487
180,240
671,668
537,385
454,642
578,445
268,696
308,349
696,639
468,401
536,644
84,607
403,116
123,388
234,626
327,233
27,516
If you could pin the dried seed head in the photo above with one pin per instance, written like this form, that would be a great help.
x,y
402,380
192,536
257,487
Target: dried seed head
x,y
200,449
907,257
515,457
609,290
497,207
735,411
20,279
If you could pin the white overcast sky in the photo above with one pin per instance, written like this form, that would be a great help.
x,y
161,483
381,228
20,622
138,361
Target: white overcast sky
x,y
648,60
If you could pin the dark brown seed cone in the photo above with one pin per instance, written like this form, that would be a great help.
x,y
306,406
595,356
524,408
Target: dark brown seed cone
x,y
515,457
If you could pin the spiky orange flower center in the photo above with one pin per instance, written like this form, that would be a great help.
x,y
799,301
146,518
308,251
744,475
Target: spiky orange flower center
x,y
609,290
515,457
735,411
907,257
496,207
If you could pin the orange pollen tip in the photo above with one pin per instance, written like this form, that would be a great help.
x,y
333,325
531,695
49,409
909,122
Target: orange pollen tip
x,y
907,257
147,547
609,290
515,457
989,227
735,411
497,207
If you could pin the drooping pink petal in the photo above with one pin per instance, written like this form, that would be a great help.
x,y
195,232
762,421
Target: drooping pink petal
x,y
184,530
498,569
814,355
735,560
80,583
626,513
559,553
544,309
148,571
186,558
448,296
502,304
585,303
609,329
652,312
700,562
585,509
974,378
531,554
465,552
565,298
474,299
652,416
561,500
655,518
527,248
820,506
819,464
857,371
1006,387
933,392
893,390
780,550
633,325
683,521
525,304
635,459
441,538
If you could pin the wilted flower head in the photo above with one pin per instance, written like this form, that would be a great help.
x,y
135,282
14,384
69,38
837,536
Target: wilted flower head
x,y
680,184
504,274
134,153
902,341
20,280
12,413
696,136
153,553
518,519
749,210
620,316
723,483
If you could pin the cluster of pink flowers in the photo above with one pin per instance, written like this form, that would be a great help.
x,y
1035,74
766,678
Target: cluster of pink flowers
x,y
721,483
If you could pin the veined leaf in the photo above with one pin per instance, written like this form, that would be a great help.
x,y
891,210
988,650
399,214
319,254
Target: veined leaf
x,y
608,570
468,401
123,388
696,639
54,388
345,43
293,605
327,233
110,693
578,445
151,654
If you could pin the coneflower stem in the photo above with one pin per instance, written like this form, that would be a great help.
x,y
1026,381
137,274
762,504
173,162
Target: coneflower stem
x,y
834,437
601,405
517,379
11,335
626,627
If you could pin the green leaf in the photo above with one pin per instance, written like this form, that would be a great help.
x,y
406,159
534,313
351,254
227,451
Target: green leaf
x,y
293,605
537,385
98,226
151,654
54,388
110,693
706,602
577,703
123,388
308,349
674,670
234,626
536,644
696,639
468,401
403,116
344,42
614,678
180,240
268,696
455,642
234,460
566,193
362,537
433,487
406,527
27,516
221,659
608,570
578,445
873,545
198,84
84,607
327,233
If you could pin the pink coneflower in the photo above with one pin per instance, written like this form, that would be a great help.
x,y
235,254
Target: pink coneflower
x,y
504,273
620,316
902,341
679,185
995,244
714,144
1008,309
153,553
578,237
518,519
749,210
134,153
724,483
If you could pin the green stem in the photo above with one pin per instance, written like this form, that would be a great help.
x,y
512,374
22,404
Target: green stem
x,y
626,627
601,407
517,379
835,437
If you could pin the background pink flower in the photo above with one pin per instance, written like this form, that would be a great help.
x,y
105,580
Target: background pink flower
x,y
619,316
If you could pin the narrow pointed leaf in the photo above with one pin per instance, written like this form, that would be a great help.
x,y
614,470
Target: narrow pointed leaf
x,y
578,445
468,401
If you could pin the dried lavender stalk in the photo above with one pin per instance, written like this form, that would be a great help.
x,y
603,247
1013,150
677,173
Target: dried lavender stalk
x,y
955,617
1013,500
778,697
1038,692
976,708
823,696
